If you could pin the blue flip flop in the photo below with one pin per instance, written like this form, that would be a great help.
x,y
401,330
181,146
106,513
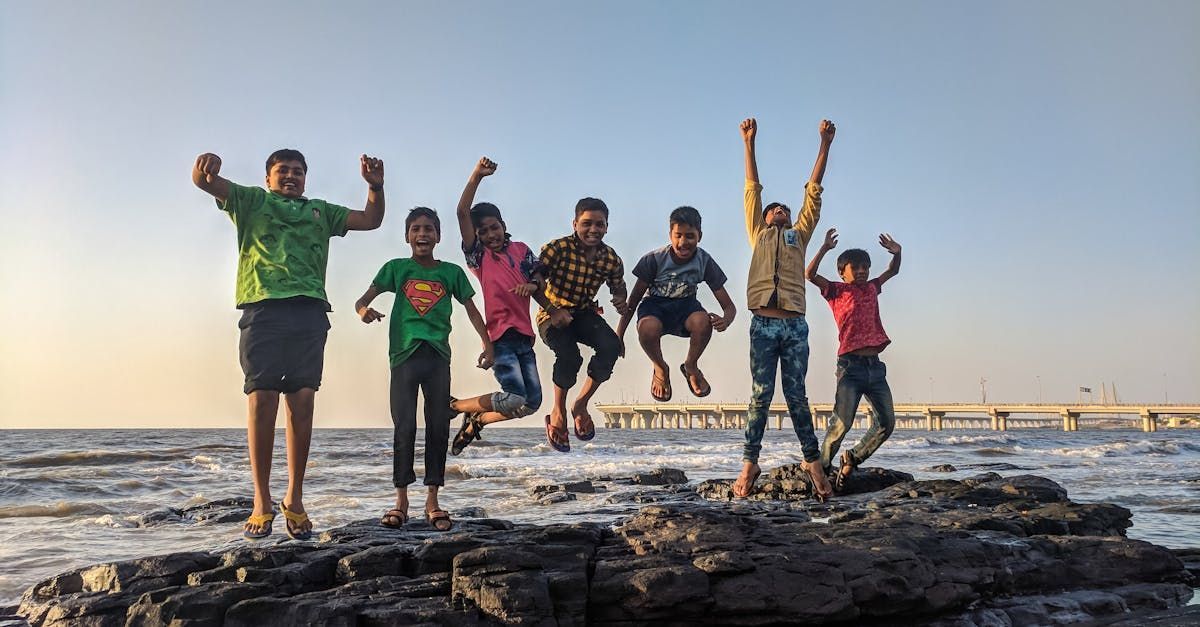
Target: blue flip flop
x,y
560,447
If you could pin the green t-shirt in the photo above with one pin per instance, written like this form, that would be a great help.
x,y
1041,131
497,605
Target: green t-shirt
x,y
283,243
421,311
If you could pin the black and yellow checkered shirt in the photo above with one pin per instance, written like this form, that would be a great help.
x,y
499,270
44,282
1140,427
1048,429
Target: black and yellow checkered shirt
x,y
572,281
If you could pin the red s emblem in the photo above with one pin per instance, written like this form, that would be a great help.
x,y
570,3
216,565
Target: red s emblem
x,y
423,295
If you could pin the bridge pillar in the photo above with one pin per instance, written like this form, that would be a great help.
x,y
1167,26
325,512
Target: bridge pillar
x,y
1070,421
1149,422
933,420
999,420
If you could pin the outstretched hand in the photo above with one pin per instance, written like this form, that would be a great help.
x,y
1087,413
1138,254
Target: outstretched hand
x,y
831,239
827,130
890,244
372,170
749,128
209,165
485,167
369,315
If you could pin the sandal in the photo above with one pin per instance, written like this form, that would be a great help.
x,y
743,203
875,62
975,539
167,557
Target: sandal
x,y
467,433
844,471
259,520
753,479
585,429
665,384
562,444
698,392
817,492
394,514
439,516
292,518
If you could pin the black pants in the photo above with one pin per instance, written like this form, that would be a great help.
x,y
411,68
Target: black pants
x,y
428,370
589,328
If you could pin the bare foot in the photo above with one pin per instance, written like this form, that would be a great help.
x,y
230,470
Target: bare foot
x,y
744,486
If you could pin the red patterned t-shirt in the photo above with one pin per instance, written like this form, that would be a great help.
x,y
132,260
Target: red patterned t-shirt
x,y
856,311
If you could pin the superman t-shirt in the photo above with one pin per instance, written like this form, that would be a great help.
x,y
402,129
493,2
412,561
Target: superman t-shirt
x,y
421,311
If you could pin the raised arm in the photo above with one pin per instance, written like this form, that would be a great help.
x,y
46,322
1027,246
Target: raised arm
x,y
205,176
811,272
753,188
485,167
810,213
488,357
827,130
371,216
362,306
749,131
635,298
893,268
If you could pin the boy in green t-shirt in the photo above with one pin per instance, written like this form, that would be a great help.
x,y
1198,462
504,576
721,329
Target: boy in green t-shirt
x,y
283,248
419,356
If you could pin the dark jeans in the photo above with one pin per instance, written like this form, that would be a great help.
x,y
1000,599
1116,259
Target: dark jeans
x,y
516,371
587,327
778,342
859,376
428,370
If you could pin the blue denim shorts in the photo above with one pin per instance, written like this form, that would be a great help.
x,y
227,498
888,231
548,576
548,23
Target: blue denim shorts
x,y
671,312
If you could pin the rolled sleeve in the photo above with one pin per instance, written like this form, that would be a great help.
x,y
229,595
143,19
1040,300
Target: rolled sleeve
x,y
754,218
806,223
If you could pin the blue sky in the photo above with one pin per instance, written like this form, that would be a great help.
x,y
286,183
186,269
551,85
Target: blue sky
x,y
1037,161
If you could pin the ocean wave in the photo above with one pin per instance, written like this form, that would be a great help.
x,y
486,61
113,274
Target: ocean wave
x,y
58,510
95,458
1120,449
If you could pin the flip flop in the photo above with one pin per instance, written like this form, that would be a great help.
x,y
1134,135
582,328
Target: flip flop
x,y
753,479
397,514
265,520
437,516
296,519
666,384
464,436
561,432
844,471
584,434
699,375
816,492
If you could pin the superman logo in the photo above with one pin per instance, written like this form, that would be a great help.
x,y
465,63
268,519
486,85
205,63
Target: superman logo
x,y
423,295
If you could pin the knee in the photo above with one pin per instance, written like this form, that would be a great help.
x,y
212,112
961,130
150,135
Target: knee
x,y
649,328
698,324
533,400
508,404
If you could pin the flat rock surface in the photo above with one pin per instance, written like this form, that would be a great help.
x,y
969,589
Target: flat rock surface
x,y
984,550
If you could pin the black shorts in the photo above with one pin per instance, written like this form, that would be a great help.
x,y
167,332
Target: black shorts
x,y
282,347
671,312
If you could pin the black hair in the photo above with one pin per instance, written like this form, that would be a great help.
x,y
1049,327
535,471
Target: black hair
x,y
488,210
771,206
286,154
687,216
856,256
591,204
423,212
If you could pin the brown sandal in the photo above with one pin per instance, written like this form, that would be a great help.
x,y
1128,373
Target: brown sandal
x,y
439,516
753,479
817,492
394,514
844,471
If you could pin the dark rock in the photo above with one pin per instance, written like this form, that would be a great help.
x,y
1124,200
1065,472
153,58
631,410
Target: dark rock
x,y
470,512
942,468
557,497
194,606
584,487
660,476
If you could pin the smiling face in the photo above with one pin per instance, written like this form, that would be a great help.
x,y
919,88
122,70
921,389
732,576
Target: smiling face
x,y
286,178
684,239
856,272
590,227
779,215
422,235
490,233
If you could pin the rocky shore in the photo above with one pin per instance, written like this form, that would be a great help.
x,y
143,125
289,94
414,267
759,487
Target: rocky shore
x,y
987,551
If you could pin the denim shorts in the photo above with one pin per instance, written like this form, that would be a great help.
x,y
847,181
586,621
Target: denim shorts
x,y
671,312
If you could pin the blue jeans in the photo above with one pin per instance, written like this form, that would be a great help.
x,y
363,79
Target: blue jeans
x,y
859,376
516,371
784,342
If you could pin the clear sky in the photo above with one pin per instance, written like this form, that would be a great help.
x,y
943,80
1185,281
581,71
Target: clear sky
x,y
1038,162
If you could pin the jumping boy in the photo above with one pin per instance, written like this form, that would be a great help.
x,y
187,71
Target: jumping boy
x,y
861,338
283,250
775,293
508,272
419,356
671,274
575,266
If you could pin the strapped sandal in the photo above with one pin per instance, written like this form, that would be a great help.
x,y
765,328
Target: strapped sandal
x,y
394,514
439,516
817,492
259,520
846,469
292,518
465,436
753,479
698,392
666,386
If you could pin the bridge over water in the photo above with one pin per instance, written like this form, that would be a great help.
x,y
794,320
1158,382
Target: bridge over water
x,y
928,416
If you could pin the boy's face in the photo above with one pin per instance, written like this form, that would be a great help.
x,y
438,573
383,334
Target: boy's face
x,y
856,273
286,178
491,233
590,227
779,215
684,239
422,236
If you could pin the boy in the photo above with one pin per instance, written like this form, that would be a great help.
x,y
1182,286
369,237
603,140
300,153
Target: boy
x,y
283,250
670,274
575,266
861,338
775,293
419,356
508,273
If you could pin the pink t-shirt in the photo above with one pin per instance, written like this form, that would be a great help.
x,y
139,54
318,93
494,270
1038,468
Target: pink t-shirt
x,y
499,272
856,310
